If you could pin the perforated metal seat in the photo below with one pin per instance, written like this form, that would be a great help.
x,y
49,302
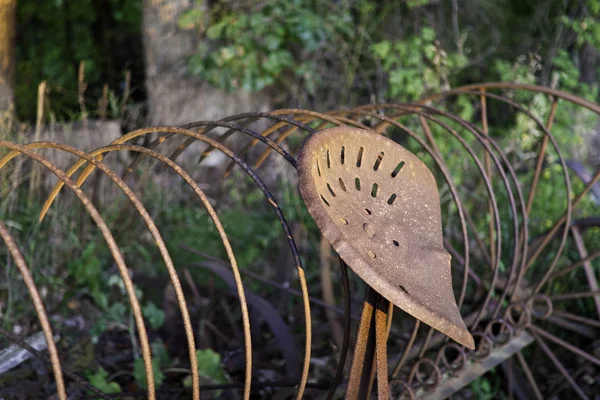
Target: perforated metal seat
x,y
378,205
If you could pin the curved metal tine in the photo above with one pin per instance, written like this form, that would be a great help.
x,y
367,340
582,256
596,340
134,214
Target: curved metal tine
x,y
572,296
306,117
529,375
112,245
586,321
88,170
488,165
521,86
287,133
91,158
39,308
455,196
558,365
570,204
460,208
266,132
566,345
487,183
566,217
514,265
339,371
574,266
406,350
280,217
541,155
224,239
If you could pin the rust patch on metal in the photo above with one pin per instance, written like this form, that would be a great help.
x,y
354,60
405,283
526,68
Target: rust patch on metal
x,y
379,207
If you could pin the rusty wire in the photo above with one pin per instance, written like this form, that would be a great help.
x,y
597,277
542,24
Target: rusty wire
x,y
500,316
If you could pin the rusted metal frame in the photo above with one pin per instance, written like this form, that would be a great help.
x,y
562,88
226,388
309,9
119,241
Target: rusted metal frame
x,y
233,128
574,266
587,321
520,86
558,365
484,143
475,369
275,207
339,373
225,124
566,345
587,266
287,232
39,308
529,375
364,351
469,220
224,239
460,261
252,275
488,165
447,177
570,204
541,156
114,249
406,351
287,133
90,157
515,264
571,296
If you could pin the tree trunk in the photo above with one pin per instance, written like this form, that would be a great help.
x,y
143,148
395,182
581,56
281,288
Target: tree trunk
x,y
174,96
7,52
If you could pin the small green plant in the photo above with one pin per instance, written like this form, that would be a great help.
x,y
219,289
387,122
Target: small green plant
x,y
99,379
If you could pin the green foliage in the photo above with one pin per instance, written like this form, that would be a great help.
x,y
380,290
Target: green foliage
x,y
209,366
154,315
267,44
415,65
160,360
99,380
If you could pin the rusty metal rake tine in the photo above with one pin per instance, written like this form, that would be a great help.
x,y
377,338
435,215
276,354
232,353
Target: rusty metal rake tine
x,y
488,164
474,130
274,206
88,170
558,365
574,266
157,238
406,350
529,375
339,373
447,178
570,204
520,86
565,345
224,239
287,133
114,249
540,157
39,308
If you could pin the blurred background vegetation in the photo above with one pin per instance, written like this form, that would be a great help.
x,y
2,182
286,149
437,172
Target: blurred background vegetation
x,y
141,62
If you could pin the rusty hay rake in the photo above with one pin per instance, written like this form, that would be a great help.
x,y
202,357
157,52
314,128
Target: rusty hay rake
x,y
378,205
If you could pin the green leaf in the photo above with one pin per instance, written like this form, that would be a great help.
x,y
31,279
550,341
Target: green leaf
x,y
209,365
99,380
154,315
